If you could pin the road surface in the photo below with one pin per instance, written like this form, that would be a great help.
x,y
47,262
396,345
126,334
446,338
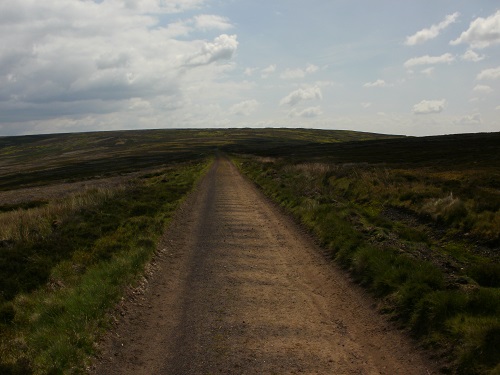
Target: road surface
x,y
240,289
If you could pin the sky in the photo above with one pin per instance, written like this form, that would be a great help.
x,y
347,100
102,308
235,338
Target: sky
x,y
413,67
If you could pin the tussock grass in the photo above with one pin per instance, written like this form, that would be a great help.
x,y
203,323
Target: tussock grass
x,y
404,234
31,224
447,209
53,315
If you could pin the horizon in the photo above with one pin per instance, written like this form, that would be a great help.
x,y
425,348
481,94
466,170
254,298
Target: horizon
x,y
250,128
417,68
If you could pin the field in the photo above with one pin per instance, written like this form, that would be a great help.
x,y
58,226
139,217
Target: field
x,y
415,220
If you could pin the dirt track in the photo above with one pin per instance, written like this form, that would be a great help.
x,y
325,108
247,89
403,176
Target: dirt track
x,y
240,290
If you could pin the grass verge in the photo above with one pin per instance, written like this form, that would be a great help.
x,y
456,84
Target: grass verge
x,y
52,315
425,257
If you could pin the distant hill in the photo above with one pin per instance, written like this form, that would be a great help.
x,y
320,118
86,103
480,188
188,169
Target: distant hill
x,y
40,159
37,159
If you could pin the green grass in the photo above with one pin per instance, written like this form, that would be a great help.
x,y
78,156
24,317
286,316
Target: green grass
x,y
408,240
56,296
416,220
64,262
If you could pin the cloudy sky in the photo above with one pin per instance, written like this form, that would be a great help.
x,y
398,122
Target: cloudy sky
x,y
415,67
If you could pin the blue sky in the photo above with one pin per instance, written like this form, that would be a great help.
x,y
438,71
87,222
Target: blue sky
x,y
395,67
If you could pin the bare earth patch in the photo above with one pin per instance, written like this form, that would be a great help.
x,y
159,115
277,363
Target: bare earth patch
x,y
239,289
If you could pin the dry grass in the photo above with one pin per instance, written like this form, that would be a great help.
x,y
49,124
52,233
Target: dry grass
x,y
60,190
423,241
32,224
311,169
60,287
445,209
265,159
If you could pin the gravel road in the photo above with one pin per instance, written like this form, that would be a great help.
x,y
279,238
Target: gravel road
x,y
240,289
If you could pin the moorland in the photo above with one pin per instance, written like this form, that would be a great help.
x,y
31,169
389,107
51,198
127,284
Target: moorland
x,y
414,220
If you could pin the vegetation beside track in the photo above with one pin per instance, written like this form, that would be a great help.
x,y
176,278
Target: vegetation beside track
x,y
422,234
416,220
65,264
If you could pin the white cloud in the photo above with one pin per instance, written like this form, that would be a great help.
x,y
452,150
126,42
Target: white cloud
x,y
377,83
482,89
309,112
68,65
211,22
482,32
293,74
498,108
222,48
424,35
155,6
428,71
470,55
429,106
249,71
298,73
492,73
139,104
311,68
203,22
325,83
62,52
474,119
428,60
176,29
108,60
299,95
245,108
266,72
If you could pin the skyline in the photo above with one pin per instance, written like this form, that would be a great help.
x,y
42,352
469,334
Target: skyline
x,y
412,68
